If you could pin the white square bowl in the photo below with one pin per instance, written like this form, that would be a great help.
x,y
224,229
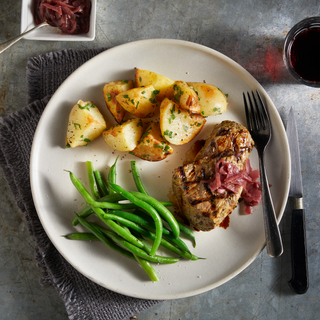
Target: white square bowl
x,y
54,34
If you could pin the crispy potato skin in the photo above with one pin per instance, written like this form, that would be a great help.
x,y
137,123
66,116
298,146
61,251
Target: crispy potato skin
x,y
212,100
110,91
140,102
144,78
186,97
152,146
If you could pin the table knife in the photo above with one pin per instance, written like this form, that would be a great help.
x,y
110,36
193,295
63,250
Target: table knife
x,y
299,282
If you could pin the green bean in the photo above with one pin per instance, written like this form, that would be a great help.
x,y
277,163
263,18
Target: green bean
x,y
81,236
136,178
107,241
87,211
84,213
139,252
162,210
92,181
145,220
112,175
150,235
154,214
114,197
88,198
148,268
122,232
166,232
186,231
101,183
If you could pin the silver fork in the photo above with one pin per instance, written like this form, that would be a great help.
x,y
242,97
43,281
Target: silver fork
x,y
259,127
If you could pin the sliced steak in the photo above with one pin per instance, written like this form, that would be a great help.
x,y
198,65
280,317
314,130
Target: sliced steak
x,y
204,209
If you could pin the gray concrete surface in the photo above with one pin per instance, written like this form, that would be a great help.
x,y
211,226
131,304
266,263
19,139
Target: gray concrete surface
x,y
252,34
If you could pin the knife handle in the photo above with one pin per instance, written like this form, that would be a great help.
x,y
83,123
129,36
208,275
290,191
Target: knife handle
x,y
299,282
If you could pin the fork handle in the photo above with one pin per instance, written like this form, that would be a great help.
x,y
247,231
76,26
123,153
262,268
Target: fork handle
x,y
273,237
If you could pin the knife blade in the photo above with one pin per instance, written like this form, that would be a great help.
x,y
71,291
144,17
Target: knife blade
x,y
299,282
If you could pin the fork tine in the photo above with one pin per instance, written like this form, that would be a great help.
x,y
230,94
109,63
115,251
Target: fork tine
x,y
248,112
254,118
265,118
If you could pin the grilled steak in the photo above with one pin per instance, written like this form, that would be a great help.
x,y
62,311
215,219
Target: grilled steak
x,y
205,209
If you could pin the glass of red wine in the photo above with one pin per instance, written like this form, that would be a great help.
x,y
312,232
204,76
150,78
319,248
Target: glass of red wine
x,y
302,51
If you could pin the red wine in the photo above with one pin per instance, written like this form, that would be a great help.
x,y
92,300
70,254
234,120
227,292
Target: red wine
x,y
305,54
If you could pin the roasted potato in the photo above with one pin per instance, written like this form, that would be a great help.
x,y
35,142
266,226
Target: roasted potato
x,y
211,99
110,91
152,146
177,125
85,124
144,78
124,136
186,97
140,102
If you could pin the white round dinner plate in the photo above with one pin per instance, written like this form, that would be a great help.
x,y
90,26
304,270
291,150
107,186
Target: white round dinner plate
x,y
226,251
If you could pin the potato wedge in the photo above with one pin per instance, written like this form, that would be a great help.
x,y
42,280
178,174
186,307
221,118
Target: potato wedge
x,y
177,125
186,97
152,146
211,99
85,124
110,91
140,102
124,136
144,78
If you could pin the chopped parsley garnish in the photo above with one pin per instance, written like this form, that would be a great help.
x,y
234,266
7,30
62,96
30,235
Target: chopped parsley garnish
x,y
168,133
172,116
185,128
77,126
177,92
154,99
87,106
108,96
145,133
226,94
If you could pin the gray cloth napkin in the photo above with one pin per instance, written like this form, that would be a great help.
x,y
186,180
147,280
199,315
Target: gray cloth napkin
x,y
83,299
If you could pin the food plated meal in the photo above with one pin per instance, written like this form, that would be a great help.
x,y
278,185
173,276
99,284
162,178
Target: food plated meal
x,y
207,189
227,251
